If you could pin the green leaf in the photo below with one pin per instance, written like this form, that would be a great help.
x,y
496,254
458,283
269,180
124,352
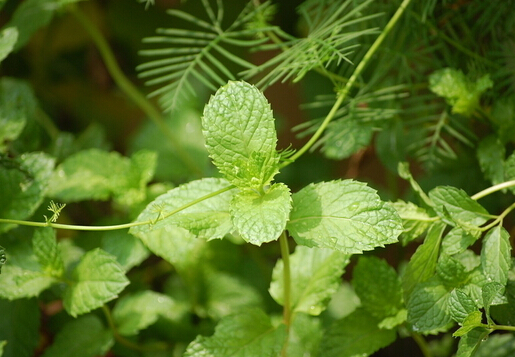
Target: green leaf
x,y
315,277
415,220
355,334
82,337
497,345
345,137
472,321
8,38
460,92
49,256
458,205
17,282
496,255
509,170
248,333
97,175
207,219
97,279
128,250
261,218
238,127
471,341
135,312
428,306
378,287
490,292
457,241
343,215
23,185
304,336
19,326
461,305
491,153
422,264
451,271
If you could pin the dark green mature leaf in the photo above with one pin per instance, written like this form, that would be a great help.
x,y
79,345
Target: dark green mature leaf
x,y
490,292
457,241
315,277
470,342
451,271
207,219
496,255
343,215
128,249
97,279
461,305
498,345
261,218
23,183
238,127
428,306
455,202
490,154
49,256
241,335
8,38
19,326
378,287
357,334
97,175
83,337
422,265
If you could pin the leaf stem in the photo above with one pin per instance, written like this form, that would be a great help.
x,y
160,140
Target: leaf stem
x,y
130,89
285,254
117,226
422,344
342,95
499,218
495,188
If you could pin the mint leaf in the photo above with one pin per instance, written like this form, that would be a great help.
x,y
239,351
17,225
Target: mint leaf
x,y
471,341
458,205
490,292
378,287
23,183
261,217
315,277
97,279
8,38
128,249
19,326
17,282
509,170
357,334
496,255
98,175
415,220
49,256
460,92
304,336
428,306
451,271
457,241
345,137
241,335
461,305
497,345
238,127
490,154
343,215
139,310
207,219
422,265
83,337
472,321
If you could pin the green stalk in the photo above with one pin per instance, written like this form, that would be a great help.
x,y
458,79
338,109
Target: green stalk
x,y
285,254
130,89
342,95
495,188
422,344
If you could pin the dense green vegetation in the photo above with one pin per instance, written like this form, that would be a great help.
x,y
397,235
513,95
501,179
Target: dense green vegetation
x,y
247,178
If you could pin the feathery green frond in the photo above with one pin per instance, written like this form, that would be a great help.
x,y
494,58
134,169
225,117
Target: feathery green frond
x,y
204,56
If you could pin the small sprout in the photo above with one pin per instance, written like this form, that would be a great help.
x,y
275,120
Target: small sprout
x,y
157,208
56,209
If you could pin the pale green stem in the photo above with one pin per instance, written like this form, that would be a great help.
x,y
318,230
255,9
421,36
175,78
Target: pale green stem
x,y
130,89
117,226
342,95
422,344
499,218
495,188
285,254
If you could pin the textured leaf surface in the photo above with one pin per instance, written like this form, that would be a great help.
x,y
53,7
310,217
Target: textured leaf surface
x,y
496,255
137,311
315,277
23,185
83,337
49,256
97,279
469,342
261,218
19,326
428,306
415,220
343,215
355,335
239,130
17,283
460,305
207,219
97,175
249,333
378,287
497,345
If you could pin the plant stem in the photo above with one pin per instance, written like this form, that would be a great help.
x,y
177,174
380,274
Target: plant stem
x,y
342,95
495,188
117,226
130,89
422,344
285,254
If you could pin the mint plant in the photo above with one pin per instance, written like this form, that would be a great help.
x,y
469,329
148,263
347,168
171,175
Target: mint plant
x,y
194,240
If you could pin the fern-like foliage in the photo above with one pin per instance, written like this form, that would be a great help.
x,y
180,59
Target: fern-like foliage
x,y
330,40
200,55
